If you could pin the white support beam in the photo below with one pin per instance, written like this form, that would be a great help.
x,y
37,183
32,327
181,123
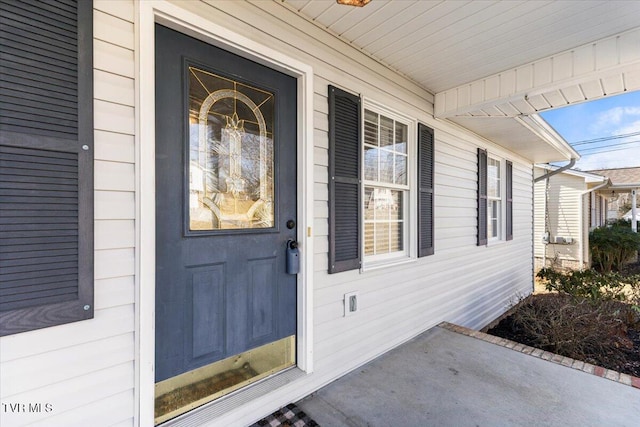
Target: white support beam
x,y
634,210
595,70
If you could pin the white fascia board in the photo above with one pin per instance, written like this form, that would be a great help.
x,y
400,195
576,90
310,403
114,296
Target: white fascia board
x,y
625,187
538,126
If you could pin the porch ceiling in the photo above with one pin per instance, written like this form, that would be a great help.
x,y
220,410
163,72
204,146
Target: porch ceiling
x,y
444,44
495,59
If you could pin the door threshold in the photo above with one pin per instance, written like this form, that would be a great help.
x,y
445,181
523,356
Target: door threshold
x,y
232,401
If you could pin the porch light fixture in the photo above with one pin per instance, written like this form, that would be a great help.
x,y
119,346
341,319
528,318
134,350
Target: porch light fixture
x,y
357,3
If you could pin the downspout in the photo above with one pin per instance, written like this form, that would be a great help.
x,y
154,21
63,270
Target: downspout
x,y
562,169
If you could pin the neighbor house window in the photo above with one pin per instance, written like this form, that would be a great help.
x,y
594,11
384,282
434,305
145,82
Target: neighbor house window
x,y
381,192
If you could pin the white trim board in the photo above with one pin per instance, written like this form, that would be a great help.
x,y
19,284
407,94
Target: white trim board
x,y
148,13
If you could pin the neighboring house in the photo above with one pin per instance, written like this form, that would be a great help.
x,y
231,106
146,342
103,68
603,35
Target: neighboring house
x,y
620,192
165,159
566,207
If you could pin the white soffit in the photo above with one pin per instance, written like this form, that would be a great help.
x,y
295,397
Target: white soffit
x,y
444,44
592,71
526,139
538,55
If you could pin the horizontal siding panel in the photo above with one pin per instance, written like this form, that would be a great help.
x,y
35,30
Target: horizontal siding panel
x,y
114,234
113,30
106,323
114,176
321,192
320,101
320,156
113,88
114,205
321,174
114,117
320,209
53,367
320,262
321,227
72,394
114,263
320,121
112,411
453,199
114,292
320,246
115,147
113,59
321,139
123,9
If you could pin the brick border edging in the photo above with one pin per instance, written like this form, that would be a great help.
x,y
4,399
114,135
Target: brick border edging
x,y
545,355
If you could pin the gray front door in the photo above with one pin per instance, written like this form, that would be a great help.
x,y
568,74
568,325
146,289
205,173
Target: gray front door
x,y
225,204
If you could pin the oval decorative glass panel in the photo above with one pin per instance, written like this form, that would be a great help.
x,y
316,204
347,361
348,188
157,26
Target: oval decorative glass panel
x,y
231,154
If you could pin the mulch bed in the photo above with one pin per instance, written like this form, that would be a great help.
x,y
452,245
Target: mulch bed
x,y
616,348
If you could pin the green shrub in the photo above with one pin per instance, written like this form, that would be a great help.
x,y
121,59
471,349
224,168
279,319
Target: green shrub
x,y
613,245
588,284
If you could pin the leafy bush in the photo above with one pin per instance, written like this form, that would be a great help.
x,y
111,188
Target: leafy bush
x,y
611,246
591,285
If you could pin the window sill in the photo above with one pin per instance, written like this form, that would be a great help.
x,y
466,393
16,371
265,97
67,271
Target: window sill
x,y
496,242
378,265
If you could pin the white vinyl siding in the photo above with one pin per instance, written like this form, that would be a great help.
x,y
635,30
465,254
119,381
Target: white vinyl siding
x,y
85,370
567,211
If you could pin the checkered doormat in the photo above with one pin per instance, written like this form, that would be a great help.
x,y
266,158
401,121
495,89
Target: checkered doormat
x,y
289,416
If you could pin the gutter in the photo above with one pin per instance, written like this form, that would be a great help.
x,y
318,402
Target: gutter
x,y
562,169
595,188
548,134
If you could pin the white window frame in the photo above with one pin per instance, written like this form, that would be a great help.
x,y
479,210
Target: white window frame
x,y
408,252
501,198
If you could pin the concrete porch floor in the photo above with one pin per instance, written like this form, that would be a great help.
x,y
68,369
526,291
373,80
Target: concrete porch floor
x,y
444,378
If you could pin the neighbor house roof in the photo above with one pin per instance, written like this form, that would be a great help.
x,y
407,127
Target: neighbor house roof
x,y
621,178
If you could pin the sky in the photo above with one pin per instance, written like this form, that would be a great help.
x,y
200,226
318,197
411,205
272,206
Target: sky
x,y
590,126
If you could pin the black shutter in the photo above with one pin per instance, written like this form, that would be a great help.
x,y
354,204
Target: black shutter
x,y
46,163
344,181
425,190
509,222
482,197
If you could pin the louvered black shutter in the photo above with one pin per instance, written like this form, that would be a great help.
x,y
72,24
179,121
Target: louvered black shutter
x,y
344,181
509,183
46,163
482,197
425,190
